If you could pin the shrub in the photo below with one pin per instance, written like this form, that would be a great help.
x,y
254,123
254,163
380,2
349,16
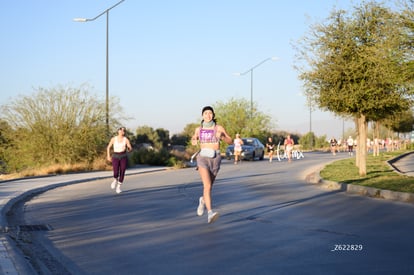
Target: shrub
x,y
151,157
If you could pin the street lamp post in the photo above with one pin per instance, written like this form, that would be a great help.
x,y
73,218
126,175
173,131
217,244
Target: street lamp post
x,y
251,79
107,55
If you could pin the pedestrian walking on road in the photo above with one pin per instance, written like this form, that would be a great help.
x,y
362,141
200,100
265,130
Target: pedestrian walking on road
x,y
238,142
270,146
208,135
121,145
288,143
350,142
376,146
334,145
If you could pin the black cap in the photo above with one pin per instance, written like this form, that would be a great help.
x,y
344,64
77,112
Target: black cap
x,y
207,108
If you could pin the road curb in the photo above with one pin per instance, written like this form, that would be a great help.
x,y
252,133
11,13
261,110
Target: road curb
x,y
315,178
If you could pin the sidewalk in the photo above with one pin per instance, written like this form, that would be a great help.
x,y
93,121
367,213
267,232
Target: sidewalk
x,y
15,190
404,164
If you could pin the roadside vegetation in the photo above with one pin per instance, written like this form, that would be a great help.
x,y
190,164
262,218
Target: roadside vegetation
x,y
62,130
379,173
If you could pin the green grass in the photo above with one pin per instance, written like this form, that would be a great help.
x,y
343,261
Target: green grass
x,y
379,174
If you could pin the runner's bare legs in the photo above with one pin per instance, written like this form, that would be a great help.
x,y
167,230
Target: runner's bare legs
x,y
208,181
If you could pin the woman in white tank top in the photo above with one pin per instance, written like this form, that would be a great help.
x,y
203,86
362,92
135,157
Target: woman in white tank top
x,y
119,158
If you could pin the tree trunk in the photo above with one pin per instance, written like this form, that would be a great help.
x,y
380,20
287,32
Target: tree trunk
x,y
362,145
356,142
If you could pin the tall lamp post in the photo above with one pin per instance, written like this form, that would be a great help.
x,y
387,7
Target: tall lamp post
x,y
107,55
251,79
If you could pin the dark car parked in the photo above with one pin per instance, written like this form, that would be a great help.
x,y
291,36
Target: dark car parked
x,y
252,148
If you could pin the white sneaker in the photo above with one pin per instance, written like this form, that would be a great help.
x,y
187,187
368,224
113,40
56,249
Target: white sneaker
x,y
200,208
114,183
118,188
212,217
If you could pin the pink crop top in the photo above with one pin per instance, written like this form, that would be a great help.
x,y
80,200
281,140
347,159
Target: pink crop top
x,y
208,136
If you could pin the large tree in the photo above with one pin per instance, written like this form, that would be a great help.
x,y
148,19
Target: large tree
x,y
358,65
236,117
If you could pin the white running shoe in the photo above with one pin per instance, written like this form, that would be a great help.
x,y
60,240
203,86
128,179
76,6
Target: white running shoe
x,y
118,188
114,183
200,208
212,217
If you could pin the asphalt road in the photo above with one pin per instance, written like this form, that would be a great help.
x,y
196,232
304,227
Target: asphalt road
x,y
271,222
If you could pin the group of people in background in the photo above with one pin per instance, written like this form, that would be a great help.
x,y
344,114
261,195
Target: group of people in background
x,y
271,148
374,145
288,145
349,144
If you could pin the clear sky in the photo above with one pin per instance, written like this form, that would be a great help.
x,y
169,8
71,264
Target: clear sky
x,y
167,59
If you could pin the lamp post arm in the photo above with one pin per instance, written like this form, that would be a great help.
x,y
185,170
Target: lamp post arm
x,y
257,65
99,15
251,79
